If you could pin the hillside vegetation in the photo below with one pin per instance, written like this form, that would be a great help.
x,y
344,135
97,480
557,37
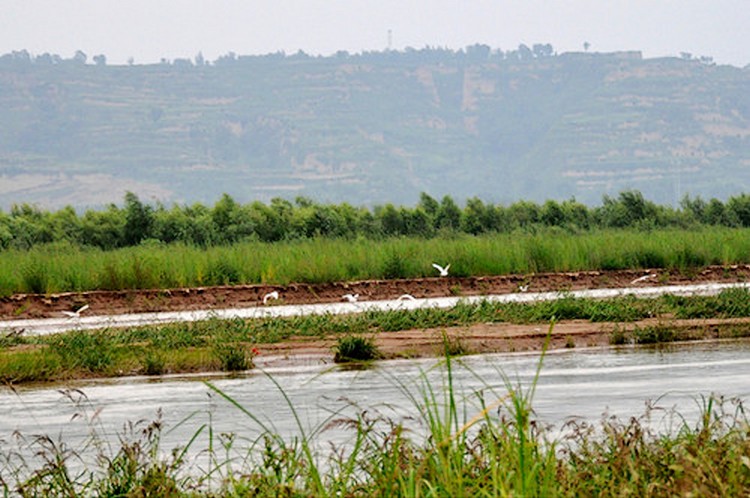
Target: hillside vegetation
x,y
373,127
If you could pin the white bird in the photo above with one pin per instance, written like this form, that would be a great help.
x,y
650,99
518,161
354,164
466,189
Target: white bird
x,y
352,298
406,297
76,313
643,278
443,271
270,295
523,288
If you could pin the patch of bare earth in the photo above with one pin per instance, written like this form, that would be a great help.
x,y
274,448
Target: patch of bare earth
x,y
502,338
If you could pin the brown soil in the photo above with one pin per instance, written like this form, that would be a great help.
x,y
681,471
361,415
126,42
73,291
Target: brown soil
x,y
22,306
498,337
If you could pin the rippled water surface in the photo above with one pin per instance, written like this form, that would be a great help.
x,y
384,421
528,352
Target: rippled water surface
x,y
581,383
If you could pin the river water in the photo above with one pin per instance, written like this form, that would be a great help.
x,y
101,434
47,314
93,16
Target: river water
x,y
572,383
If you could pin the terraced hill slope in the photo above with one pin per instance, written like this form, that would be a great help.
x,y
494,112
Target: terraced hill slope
x,y
373,128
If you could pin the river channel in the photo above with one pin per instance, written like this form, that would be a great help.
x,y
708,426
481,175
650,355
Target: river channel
x,y
573,383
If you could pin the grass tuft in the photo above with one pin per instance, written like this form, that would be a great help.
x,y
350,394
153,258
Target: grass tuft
x,y
353,348
91,351
233,357
154,363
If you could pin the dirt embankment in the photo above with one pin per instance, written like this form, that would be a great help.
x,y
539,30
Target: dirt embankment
x,y
478,338
22,306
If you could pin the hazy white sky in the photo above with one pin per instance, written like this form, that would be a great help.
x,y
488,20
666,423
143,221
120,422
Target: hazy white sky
x,y
148,30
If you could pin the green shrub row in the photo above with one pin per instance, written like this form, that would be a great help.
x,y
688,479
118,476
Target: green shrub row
x,y
228,221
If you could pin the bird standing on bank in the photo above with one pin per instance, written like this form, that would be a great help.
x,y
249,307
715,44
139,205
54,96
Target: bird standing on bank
x,y
648,276
270,295
352,298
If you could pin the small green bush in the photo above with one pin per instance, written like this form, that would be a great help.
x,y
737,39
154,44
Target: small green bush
x,y
654,335
153,363
233,357
618,337
351,348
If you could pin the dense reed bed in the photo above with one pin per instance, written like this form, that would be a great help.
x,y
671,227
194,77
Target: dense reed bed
x,y
485,443
230,345
60,267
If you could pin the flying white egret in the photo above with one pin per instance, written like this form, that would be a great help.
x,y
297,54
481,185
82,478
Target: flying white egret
x,y
523,288
270,295
352,298
76,313
406,297
443,271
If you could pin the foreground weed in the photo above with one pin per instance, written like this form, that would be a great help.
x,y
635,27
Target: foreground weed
x,y
55,477
138,466
498,451
284,466
533,456
450,443
453,345
627,458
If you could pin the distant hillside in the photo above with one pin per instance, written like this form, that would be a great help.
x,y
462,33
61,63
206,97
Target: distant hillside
x,y
373,128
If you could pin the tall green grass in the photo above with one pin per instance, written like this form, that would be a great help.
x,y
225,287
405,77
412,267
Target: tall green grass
x,y
210,345
60,267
